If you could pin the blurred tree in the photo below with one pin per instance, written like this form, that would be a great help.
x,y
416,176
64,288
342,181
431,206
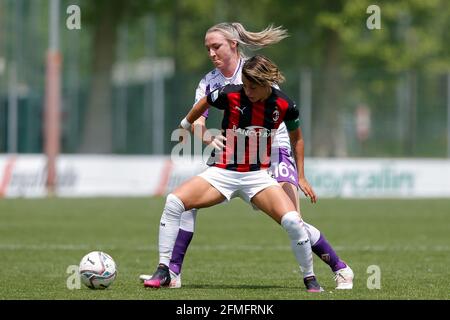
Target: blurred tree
x,y
411,42
104,17
330,37
316,42
185,21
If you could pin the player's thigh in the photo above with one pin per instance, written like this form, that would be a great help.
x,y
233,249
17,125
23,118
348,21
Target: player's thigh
x,y
292,192
198,193
273,201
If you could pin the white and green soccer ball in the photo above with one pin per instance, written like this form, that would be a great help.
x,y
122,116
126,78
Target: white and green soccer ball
x,y
97,270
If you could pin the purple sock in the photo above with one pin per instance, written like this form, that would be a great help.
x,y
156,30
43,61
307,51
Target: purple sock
x,y
325,252
179,250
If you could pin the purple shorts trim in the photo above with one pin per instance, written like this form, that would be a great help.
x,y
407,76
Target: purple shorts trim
x,y
283,167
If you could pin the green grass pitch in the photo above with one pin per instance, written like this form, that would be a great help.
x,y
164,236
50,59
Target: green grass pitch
x,y
236,253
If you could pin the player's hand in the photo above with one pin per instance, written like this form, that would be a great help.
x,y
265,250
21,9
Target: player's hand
x,y
307,189
217,142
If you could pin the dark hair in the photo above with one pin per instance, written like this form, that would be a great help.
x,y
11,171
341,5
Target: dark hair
x,y
260,70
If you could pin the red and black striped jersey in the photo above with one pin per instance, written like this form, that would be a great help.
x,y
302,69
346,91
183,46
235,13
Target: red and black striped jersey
x,y
249,127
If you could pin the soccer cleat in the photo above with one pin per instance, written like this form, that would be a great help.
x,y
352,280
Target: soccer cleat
x,y
312,285
160,278
344,278
175,279
163,277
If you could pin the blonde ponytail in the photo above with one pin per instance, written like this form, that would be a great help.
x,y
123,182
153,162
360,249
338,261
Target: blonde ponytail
x,y
235,31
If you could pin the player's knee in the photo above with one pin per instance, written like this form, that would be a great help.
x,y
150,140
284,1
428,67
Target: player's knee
x,y
174,206
294,226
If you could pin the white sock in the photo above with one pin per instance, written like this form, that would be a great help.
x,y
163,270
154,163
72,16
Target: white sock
x,y
168,227
300,243
188,220
313,233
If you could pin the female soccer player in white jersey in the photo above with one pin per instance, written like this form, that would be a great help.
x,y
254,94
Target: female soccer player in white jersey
x,y
252,114
224,43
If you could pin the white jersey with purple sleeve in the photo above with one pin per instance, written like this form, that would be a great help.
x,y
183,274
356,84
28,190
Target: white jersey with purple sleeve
x,y
215,79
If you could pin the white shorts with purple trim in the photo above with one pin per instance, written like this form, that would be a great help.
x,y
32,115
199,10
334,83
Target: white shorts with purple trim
x,y
283,166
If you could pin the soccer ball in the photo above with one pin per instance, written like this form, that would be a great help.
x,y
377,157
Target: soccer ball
x,y
97,270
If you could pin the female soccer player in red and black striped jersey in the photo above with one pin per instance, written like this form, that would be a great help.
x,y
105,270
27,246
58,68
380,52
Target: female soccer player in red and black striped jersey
x,y
252,111
224,43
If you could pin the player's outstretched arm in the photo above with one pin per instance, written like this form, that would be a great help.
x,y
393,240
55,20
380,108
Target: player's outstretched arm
x,y
197,110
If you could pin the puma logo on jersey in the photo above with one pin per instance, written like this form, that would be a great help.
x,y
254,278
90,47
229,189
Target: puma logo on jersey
x,y
241,110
